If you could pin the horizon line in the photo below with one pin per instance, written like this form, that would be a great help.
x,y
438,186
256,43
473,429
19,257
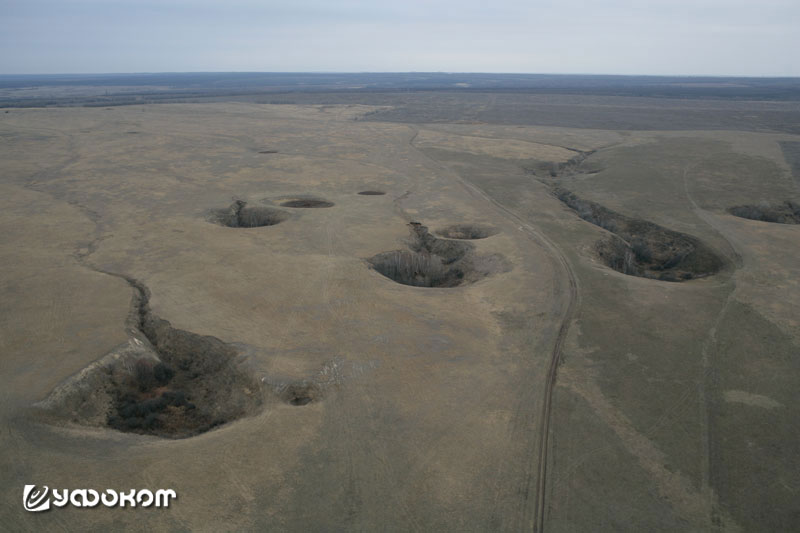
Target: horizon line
x,y
345,72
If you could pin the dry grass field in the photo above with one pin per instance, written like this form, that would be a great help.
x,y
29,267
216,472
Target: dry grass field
x,y
333,317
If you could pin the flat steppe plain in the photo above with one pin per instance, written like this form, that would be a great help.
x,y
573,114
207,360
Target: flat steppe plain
x,y
554,393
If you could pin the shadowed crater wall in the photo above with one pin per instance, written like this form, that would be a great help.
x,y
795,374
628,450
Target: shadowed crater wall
x,y
641,248
786,213
573,166
301,393
467,231
306,203
165,381
434,262
238,215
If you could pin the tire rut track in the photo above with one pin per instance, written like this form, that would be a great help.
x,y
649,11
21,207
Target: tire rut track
x,y
709,378
535,522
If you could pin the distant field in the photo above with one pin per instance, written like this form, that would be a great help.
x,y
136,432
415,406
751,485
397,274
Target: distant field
x,y
503,148
126,89
597,102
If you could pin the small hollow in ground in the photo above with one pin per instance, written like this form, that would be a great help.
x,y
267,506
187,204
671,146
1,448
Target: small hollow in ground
x,y
239,215
467,231
786,213
641,248
300,394
303,203
372,193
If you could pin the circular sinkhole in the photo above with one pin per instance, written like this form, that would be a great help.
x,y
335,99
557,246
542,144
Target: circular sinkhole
x,y
257,217
238,215
372,193
416,269
306,203
300,394
434,262
467,231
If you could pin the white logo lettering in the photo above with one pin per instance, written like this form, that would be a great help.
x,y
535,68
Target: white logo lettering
x,y
35,499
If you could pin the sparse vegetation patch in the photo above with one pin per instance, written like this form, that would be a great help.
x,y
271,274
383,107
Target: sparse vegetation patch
x,y
416,269
467,231
786,213
238,215
165,382
433,262
641,248
194,387
555,169
305,203
300,394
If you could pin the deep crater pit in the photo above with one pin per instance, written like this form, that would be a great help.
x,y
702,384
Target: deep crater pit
x,y
434,262
165,382
787,212
415,269
239,215
641,248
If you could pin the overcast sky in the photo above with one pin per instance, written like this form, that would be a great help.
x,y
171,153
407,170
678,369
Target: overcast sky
x,y
693,37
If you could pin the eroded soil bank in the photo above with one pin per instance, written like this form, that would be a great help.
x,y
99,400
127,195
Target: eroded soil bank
x,y
641,248
786,213
467,231
238,215
165,381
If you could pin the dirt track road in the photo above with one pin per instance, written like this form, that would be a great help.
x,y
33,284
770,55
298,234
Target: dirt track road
x,y
570,307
